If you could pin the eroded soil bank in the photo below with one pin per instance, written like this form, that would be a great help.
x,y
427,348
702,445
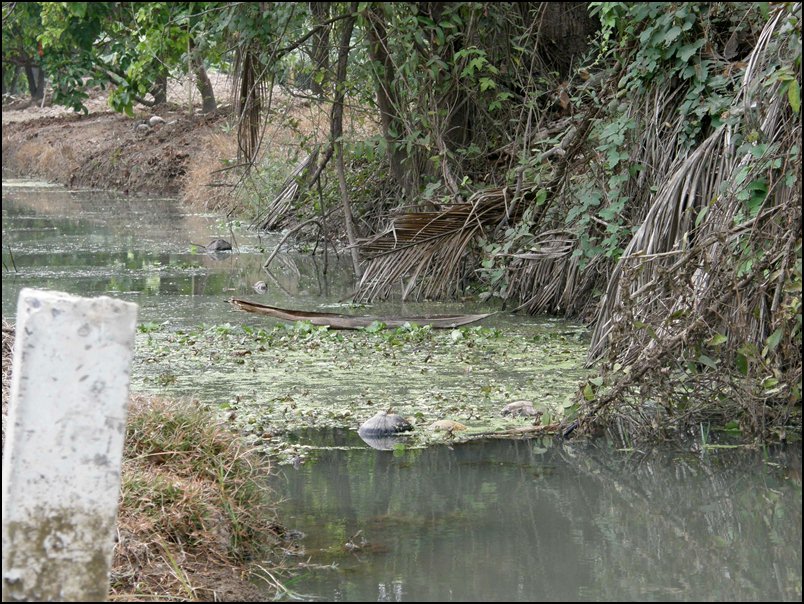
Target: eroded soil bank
x,y
107,150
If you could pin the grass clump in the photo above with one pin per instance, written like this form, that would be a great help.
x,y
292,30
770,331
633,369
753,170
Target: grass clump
x,y
194,509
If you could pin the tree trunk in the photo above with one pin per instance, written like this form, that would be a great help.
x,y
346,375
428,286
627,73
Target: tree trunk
x,y
387,99
336,132
455,104
208,104
36,81
564,28
159,88
319,54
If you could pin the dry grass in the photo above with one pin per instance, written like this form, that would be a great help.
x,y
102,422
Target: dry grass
x,y
42,159
193,508
207,184
8,351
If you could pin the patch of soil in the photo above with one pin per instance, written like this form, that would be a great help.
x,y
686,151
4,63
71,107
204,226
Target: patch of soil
x,y
108,150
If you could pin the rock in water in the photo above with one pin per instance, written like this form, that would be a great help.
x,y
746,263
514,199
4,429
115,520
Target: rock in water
x,y
219,245
520,408
384,424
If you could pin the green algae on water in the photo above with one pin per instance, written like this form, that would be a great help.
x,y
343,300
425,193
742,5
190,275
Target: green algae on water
x,y
269,382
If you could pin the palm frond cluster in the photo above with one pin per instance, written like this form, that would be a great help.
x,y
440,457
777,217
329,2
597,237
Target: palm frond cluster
x,y
707,284
422,253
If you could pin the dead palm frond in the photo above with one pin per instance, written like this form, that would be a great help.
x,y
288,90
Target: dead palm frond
x,y
550,277
278,209
423,252
683,250
663,233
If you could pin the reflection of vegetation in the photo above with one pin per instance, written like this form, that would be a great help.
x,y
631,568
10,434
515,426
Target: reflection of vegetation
x,y
93,244
563,523
734,540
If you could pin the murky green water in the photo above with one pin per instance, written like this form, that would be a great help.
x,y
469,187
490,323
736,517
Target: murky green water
x,y
98,243
528,521
490,521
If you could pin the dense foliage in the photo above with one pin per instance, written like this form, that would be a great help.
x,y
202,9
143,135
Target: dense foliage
x,y
635,164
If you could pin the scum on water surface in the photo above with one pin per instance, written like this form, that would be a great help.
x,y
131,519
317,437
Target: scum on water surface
x,y
273,382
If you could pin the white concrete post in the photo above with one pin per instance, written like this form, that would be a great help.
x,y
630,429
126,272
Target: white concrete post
x,y
64,444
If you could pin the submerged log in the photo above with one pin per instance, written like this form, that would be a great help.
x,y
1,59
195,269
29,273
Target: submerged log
x,y
339,321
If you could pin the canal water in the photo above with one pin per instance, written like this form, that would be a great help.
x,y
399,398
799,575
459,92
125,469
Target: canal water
x,y
482,521
533,521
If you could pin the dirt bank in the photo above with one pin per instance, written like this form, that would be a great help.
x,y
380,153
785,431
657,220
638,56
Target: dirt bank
x,y
107,150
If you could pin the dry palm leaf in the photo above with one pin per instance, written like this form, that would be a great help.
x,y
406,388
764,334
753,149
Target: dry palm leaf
x,y
424,251
692,219
278,210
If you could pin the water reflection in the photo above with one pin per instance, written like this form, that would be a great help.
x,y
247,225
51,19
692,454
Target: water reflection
x,y
141,250
520,521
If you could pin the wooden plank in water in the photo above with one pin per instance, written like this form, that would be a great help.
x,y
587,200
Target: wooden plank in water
x,y
339,321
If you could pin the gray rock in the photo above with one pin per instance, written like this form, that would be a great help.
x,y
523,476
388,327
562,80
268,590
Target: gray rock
x,y
520,409
384,424
219,245
155,119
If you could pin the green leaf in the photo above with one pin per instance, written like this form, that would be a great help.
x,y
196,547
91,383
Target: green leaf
x,y
701,215
770,382
671,35
708,361
79,9
794,96
773,340
685,52
717,340
588,392
741,363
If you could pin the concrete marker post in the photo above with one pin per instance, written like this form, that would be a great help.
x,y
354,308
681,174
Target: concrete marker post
x,y
64,445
